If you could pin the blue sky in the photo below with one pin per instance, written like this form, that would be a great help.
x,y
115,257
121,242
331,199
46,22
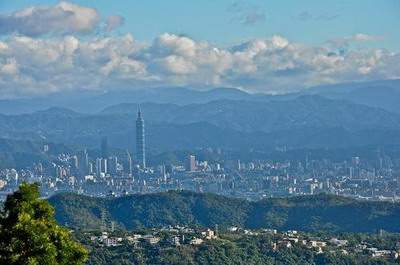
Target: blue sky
x,y
309,21
274,47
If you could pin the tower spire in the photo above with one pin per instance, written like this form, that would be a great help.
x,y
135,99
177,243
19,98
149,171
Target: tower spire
x,y
139,113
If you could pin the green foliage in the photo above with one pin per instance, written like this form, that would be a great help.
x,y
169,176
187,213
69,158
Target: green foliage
x,y
30,235
307,213
229,250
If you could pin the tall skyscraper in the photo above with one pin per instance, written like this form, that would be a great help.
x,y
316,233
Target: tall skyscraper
x,y
98,166
101,166
140,140
112,165
128,164
104,147
83,163
191,163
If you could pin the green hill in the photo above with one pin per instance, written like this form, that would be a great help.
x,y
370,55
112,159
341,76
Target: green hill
x,y
307,213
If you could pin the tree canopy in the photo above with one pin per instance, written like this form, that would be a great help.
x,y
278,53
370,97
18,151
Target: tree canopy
x,y
321,212
29,233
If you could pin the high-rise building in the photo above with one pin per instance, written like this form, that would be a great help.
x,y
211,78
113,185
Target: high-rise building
x,y
163,173
112,165
355,160
101,166
104,166
74,162
90,168
104,147
169,169
239,166
98,166
140,140
128,163
83,163
191,163
74,165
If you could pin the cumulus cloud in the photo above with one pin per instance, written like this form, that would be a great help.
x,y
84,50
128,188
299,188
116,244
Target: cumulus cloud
x,y
48,54
34,66
345,42
114,22
365,37
65,18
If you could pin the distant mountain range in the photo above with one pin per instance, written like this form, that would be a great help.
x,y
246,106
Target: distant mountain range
x,y
308,121
345,115
95,101
383,94
253,116
307,213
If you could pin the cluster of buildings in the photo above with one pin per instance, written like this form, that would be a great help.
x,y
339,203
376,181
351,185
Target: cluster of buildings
x,y
174,236
109,174
330,244
181,235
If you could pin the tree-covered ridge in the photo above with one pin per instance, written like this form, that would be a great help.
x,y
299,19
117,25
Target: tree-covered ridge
x,y
307,213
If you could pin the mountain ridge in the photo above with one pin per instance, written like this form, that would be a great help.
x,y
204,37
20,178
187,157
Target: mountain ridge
x,y
380,93
307,121
307,213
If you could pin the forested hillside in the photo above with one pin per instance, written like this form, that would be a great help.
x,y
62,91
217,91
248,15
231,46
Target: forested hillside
x,y
307,213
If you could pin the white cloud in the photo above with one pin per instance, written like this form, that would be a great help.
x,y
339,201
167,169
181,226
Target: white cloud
x,y
32,66
10,67
114,22
170,43
63,18
364,37
177,65
42,51
346,41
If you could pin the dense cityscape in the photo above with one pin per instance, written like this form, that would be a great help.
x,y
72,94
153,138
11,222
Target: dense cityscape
x,y
112,175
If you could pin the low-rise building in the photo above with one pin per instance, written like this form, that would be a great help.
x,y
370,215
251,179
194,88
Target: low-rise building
x,y
196,241
209,234
151,239
338,242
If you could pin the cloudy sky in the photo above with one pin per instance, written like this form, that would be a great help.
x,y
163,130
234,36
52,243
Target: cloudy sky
x,y
259,46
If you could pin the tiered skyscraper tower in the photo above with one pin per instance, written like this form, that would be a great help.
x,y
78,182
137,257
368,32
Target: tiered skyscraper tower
x,y
140,141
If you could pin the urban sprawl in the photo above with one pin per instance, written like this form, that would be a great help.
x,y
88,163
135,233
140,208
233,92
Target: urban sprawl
x,y
112,175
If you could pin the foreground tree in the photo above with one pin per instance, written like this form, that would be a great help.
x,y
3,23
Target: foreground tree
x,y
30,235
